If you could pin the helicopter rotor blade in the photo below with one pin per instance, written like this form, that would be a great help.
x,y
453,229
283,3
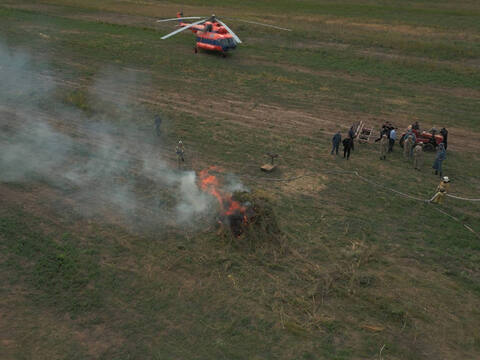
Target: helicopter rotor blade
x,y
235,37
262,24
180,18
183,28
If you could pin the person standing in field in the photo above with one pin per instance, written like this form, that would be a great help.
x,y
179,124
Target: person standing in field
x,y
383,147
180,151
444,133
441,156
347,146
158,124
418,156
336,140
392,138
383,131
414,141
410,133
351,135
407,147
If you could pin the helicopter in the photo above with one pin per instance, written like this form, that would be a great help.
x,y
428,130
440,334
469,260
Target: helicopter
x,y
211,33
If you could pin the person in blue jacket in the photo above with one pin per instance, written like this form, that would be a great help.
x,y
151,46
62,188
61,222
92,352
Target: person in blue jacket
x,y
158,124
441,155
336,140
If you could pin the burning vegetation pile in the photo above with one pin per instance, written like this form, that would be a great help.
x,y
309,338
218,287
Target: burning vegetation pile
x,y
261,224
247,216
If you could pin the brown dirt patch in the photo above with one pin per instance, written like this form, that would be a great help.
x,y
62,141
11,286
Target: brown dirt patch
x,y
304,184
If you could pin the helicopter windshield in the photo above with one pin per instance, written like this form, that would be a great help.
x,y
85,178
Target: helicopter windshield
x,y
227,43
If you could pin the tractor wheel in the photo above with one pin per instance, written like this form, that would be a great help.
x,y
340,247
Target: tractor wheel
x,y
428,147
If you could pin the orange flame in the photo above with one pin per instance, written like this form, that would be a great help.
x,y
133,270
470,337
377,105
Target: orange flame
x,y
210,184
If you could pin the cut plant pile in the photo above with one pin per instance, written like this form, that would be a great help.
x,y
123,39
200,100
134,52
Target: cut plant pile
x,y
260,228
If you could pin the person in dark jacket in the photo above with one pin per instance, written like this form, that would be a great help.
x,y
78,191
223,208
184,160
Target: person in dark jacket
x,y
441,155
383,131
347,146
336,140
351,135
444,133
158,123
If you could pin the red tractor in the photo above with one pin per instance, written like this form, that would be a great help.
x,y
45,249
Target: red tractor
x,y
430,141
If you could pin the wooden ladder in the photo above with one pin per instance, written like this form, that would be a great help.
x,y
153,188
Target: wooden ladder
x,y
364,133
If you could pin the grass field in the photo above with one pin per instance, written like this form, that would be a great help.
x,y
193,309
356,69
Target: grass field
x,y
367,273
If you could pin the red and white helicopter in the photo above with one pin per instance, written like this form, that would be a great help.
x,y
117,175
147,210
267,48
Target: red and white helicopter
x,y
211,33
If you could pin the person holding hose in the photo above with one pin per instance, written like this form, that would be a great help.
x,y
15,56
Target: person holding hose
x,y
442,190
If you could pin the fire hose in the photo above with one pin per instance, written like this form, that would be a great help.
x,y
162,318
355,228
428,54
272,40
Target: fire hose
x,y
428,201
461,198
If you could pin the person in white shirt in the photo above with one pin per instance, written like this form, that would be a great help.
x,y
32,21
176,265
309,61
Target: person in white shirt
x,y
392,138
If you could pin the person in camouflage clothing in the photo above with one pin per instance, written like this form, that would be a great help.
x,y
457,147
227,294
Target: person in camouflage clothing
x,y
180,151
383,147
407,147
418,156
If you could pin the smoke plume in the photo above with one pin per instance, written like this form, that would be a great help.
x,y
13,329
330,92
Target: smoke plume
x,y
98,160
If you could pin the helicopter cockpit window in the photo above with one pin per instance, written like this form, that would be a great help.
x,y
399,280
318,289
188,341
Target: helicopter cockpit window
x,y
227,42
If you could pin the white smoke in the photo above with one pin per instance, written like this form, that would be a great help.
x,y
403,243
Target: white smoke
x,y
233,183
32,148
104,165
193,202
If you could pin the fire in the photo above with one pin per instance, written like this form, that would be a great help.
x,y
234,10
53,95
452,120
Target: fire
x,y
210,184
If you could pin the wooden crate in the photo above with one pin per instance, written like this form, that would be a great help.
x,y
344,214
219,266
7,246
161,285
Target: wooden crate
x,y
268,167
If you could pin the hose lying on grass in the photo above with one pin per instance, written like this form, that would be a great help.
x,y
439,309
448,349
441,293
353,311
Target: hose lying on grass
x,y
354,172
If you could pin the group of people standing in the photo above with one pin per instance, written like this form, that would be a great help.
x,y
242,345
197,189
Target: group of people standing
x,y
390,133
412,149
348,144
